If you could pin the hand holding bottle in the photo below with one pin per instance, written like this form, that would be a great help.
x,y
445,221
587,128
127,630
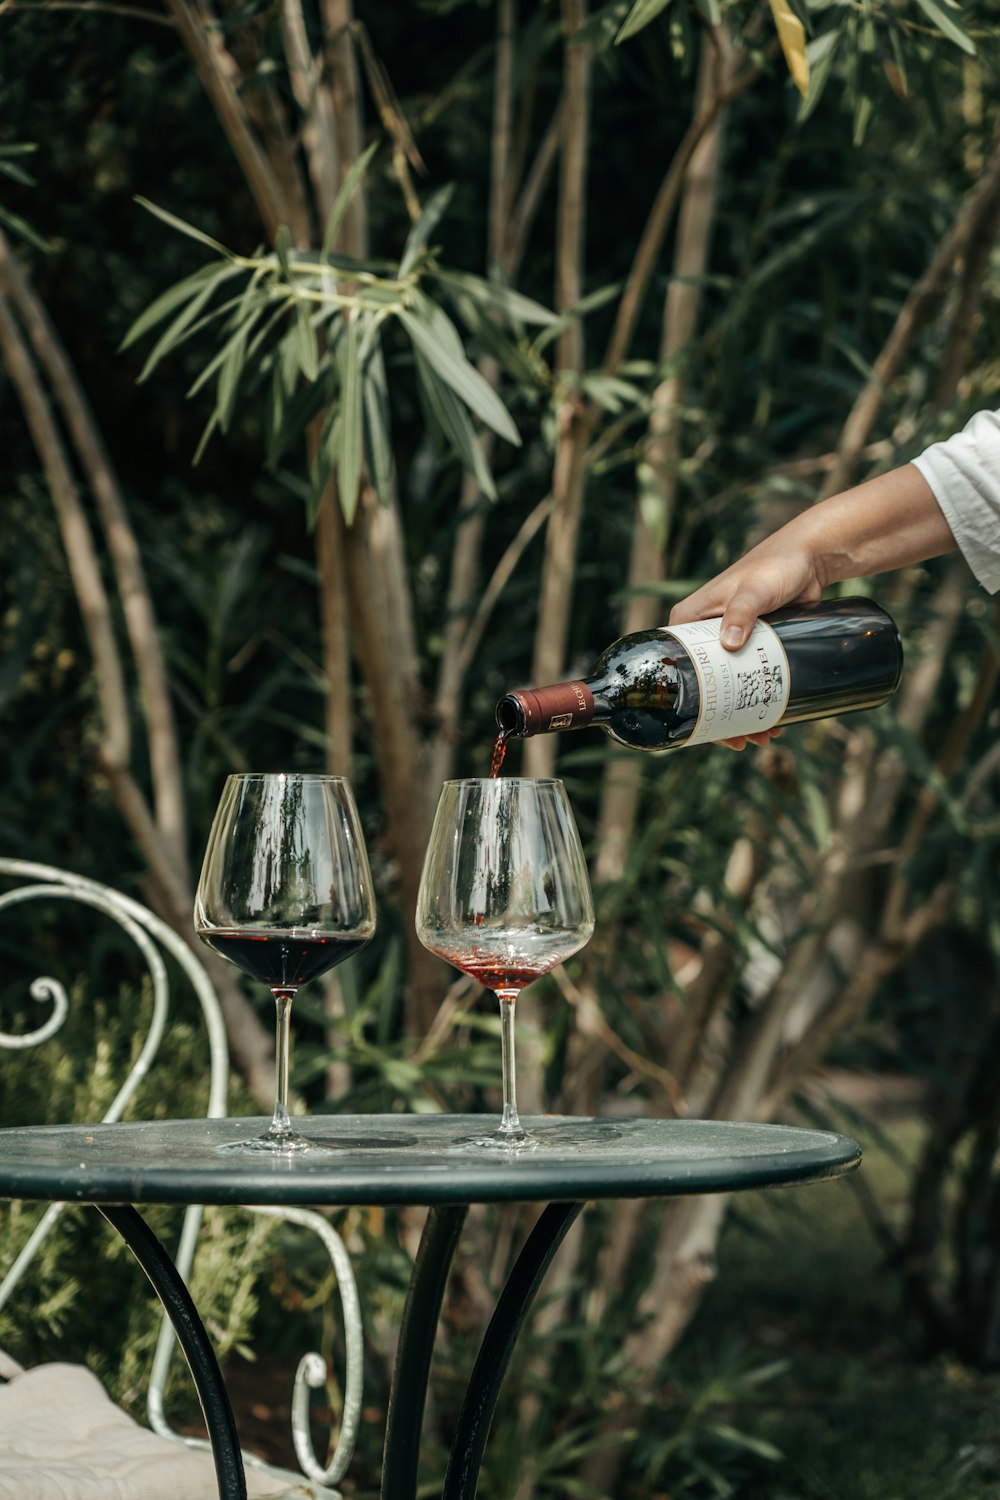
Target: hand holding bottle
x,y
780,570
886,523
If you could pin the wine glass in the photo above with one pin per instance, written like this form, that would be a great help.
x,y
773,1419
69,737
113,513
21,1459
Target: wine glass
x,y
285,894
505,897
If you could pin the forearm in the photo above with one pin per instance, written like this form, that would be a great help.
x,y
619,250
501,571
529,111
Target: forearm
x,y
887,522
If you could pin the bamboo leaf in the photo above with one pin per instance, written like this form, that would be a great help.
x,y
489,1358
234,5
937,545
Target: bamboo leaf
x,y
453,420
185,228
894,67
792,36
229,377
651,503
949,28
821,55
349,455
210,427
21,227
275,416
424,228
586,305
495,295
642,12
342,202
611,393
166,302
377,430
288,356
509,355
323,466
305,342
282,249
178,327
863,111
242,331
430,337
15,173
736,1439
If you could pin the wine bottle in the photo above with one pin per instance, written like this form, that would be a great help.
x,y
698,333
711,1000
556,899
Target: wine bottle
x,y
677,685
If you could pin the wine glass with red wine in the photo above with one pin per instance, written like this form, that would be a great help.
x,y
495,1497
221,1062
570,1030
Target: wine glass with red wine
x,y
505,897
285,894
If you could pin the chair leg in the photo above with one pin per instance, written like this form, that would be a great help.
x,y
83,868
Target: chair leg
x,y
194,1341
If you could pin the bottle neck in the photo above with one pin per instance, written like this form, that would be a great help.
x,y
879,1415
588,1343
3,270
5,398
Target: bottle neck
x,y
563,705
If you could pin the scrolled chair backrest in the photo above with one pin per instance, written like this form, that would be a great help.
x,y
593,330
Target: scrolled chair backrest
x,y
153,937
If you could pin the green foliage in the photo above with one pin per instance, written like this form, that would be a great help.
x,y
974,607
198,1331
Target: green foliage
x,y
84,1298
293,316
853,1413
11,168
817,244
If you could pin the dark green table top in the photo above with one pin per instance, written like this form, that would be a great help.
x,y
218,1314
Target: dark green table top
x,y
412,1159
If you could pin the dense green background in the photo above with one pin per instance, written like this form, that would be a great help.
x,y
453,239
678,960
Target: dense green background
x,y
824,221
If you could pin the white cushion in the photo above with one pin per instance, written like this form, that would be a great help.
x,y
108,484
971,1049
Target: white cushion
x,y
63,1438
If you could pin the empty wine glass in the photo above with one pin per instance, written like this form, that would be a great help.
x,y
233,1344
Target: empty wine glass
x,y
285,894
505,897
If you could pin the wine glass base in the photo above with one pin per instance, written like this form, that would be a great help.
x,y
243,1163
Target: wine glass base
x,y
270,1145
503,1145
591,1138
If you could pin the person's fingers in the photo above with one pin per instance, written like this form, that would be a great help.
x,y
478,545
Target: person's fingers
x,y
704,604
741,741
739,617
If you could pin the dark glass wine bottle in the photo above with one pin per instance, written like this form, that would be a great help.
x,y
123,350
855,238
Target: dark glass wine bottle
x,y
677,685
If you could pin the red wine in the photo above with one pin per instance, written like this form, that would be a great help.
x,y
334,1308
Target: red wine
x,y
279,959
662,689
499,752
493,973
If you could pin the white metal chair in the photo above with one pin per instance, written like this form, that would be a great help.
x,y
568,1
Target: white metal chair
x,y
152,937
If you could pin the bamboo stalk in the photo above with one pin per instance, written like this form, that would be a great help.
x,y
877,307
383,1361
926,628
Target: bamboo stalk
x,y
698,184
137,605
979,210
251,1045
312,95
205,48
572,421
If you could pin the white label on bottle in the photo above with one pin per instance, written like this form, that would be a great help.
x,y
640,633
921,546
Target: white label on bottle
x,y
742,692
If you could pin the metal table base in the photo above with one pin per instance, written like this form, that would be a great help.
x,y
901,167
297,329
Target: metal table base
x,y
413,1160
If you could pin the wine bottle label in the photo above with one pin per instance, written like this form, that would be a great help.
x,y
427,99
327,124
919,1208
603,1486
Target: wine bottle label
x,y
564,705
742,692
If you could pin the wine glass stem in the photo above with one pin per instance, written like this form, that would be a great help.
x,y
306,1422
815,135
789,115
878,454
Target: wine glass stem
x,y
281,1125
510,1125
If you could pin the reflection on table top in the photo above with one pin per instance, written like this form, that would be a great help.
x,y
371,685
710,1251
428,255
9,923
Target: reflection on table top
x,y
412,1159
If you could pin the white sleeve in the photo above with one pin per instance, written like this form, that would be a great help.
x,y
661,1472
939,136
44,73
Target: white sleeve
x,y
964,474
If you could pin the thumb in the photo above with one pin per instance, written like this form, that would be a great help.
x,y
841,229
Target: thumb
x,y
738,620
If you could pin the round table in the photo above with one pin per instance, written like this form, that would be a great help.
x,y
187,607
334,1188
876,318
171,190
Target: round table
x,y
400,1159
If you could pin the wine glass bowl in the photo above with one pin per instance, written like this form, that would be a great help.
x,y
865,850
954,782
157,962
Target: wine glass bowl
x,y
505,897
285,894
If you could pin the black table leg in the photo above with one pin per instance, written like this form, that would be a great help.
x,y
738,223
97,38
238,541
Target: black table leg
x,y
462,1479
413,1353
194,1341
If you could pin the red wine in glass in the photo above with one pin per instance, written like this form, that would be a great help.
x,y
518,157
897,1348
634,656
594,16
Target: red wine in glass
x,y
283,960
285,894
505,897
